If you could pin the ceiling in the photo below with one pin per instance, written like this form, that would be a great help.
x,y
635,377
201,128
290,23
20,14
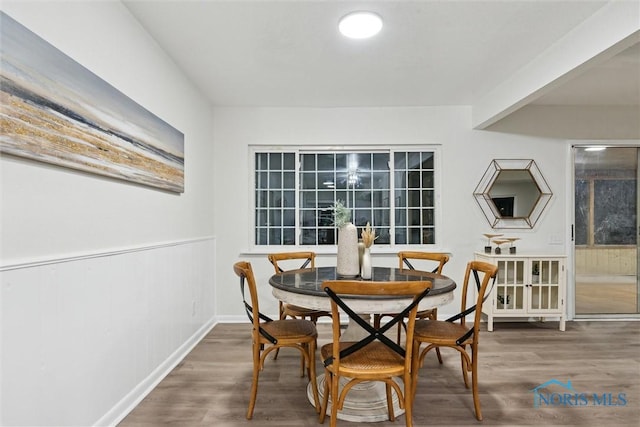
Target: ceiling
x,y
429,53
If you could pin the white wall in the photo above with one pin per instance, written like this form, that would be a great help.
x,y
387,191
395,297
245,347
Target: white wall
x,y
85,212
66,236
102,282
85,338
466,154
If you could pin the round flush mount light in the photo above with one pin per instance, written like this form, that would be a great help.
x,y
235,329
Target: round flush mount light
x,y
360,25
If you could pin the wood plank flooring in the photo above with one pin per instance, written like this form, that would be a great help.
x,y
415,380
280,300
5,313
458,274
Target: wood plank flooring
x,y
606,297
210,387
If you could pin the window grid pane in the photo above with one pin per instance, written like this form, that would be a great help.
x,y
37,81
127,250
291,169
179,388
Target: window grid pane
x,y
275,199
362,181
414,187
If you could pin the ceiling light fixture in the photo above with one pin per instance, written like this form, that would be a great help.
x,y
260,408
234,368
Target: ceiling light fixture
x,y
595,148
360,25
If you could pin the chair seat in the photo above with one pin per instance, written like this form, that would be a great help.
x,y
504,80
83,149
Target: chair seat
x,y
291,329
440,332
375,358
296,310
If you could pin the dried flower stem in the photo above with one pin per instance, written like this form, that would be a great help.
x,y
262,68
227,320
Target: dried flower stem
x,y
368,236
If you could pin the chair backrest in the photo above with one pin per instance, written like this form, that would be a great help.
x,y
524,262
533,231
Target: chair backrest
x,y
247,279
336,289
405,256
475,269
279,259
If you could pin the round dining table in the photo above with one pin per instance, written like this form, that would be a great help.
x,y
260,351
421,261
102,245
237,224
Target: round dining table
x,y
366,402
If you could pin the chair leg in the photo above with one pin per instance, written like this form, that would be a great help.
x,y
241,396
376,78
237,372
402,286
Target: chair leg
x,y
376,321
439,355
254,383
325,398
392,416
312,375
408,405
302,361
334,400
415,367
314,319
465,367
474,382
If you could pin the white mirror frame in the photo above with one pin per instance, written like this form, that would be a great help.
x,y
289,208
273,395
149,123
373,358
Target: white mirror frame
x,y
482,196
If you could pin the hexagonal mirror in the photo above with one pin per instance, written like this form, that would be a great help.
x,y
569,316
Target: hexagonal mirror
x,y
512,193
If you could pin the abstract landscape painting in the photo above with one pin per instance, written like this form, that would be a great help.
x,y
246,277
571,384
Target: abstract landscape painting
x,y
54,110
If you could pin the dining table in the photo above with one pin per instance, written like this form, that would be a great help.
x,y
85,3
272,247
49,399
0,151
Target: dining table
x,y
365,402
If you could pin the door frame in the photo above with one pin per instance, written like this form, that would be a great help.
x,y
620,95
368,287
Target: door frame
x,y
570,220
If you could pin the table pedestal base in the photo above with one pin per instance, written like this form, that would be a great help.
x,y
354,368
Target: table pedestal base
x,y
365,402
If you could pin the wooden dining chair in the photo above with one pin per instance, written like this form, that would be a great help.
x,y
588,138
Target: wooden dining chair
x,y
375,357
278,260
286,261
455,332
270,335
404,262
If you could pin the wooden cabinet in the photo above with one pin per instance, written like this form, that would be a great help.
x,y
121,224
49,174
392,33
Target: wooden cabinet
x,y
526,286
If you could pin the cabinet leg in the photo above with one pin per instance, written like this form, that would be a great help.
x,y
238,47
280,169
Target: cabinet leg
x,y
562,323
490,323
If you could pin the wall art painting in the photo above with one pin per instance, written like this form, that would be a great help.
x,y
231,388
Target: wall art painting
x,y
54,110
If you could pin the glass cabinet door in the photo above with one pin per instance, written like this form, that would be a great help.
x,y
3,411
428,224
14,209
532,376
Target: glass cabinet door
x,y
545,286
510,285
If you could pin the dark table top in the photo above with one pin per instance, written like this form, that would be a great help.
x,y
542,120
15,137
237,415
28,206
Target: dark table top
x,y
309,281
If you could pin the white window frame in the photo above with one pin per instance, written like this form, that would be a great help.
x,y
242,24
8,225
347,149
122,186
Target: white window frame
x,y
329,249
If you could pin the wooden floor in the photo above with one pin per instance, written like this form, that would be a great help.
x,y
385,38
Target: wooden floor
x,y
606,297
210,386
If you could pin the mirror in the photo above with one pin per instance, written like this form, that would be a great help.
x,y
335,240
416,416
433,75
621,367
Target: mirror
x,y
512,193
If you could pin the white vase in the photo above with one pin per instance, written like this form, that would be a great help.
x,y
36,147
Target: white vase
x,y
348,263
360,252
365,272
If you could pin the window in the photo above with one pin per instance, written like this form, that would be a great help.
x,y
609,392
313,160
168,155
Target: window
x,y
605,212
606,197
393,190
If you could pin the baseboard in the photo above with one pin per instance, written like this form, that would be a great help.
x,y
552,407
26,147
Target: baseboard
x,y
135,396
